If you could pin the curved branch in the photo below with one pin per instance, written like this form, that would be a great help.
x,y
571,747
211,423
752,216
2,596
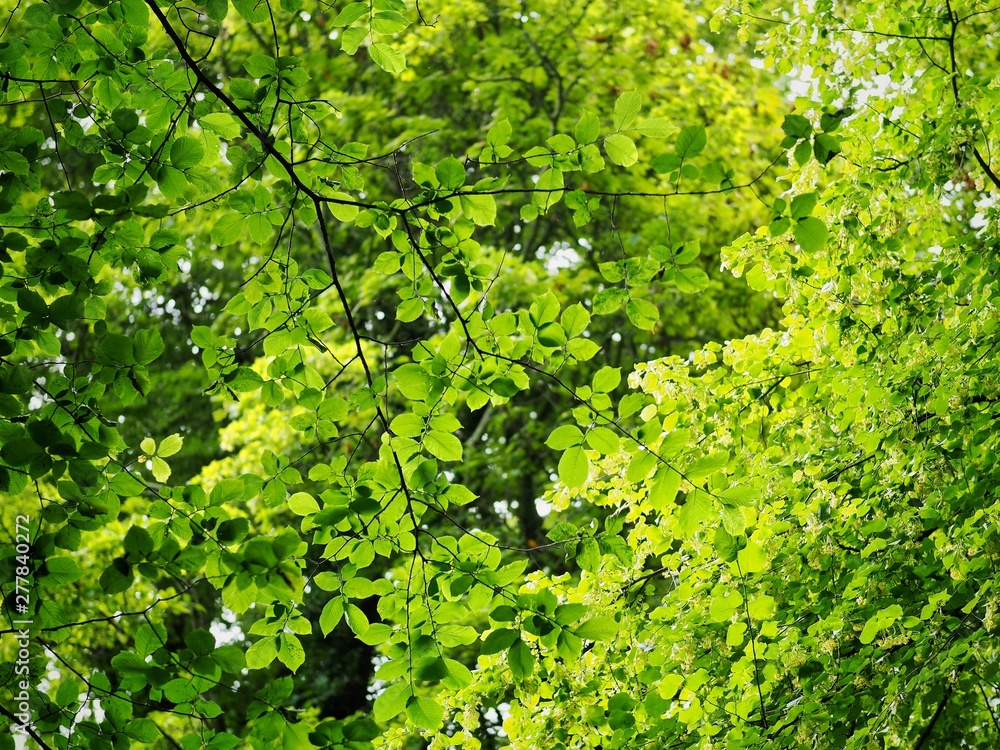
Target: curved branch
x,y
929,729
266,141
27,728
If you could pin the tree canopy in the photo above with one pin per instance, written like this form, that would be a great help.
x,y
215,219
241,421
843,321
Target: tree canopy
x,y
494,373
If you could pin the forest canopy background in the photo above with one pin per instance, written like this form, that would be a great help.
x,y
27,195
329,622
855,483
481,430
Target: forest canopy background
x,y
473,374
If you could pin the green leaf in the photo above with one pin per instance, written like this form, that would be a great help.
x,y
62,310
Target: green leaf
x,y
425,712
588,555
303,504
136,13
353,38
803,205
561,143
607,379
170,445
233,530
431,669
186,153
260,66
500,133
138,543
228,228
642,313
331,615
544,309
621,150
565,436
389,22
726,544
588,128
706,466
551,334
734,634
117,350
575,320
351,13
641,466
244,380
161,470
60,570
262,653
457,635
388,58
443,445
458,674
272,393
762,608
607,301
391,702
142,730
656,127
733,520
796,126
723,605
407,425
223,741
663,491
879,621
504,387
222,124
31,301
520,660
480,209
566,614
811,234
600,628
563,531
498,640
450,173
603,440
230,659
291,653
341,207
356,619
228,491
38,14
870,630
147,347
409,310
691,280
739,495
825,147
696,510
691,141
548,189
574,467
217,9
251,10
413,382
803,152
627,109
377,633
172,183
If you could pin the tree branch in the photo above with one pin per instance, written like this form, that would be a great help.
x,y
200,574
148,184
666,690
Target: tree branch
x,y
926,734
266,141
27,728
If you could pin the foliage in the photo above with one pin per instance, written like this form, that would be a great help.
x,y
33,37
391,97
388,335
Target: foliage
x,y
304,308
